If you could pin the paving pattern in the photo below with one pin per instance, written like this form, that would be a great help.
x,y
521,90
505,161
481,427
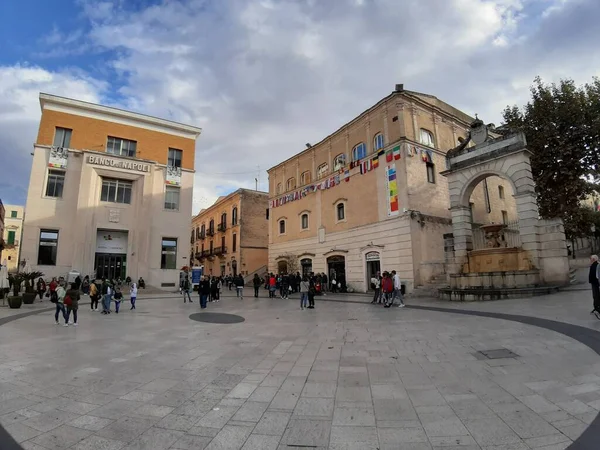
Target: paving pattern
x,y
344,376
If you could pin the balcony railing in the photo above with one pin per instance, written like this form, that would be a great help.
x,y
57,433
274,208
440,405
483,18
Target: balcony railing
x,y
8,245
222,226
220,250
201,235
210,232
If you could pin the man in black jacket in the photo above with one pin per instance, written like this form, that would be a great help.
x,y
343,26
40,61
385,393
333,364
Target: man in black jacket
x,y
593,279
204,291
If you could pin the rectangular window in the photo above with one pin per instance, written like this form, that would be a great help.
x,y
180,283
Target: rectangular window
x,y
116,191
62,137
223,243
471,209
13,214
172,198
11,237
55,184
486,196
48,248
168,257
234,243
175,157
504,217
121,147
501,192
430,172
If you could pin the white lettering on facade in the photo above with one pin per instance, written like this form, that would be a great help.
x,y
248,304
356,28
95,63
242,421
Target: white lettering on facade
x,y
101,161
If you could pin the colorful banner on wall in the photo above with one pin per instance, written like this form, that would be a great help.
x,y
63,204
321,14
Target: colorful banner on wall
x,y
392,189
58,157
173,177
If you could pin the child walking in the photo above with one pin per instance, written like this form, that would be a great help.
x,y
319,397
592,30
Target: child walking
x,y
118,297
133,295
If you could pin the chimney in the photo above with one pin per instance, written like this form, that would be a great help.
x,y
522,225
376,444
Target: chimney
x,y
399,88
308,145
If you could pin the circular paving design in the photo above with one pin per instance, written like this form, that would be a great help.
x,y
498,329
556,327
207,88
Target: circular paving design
x,y
210,317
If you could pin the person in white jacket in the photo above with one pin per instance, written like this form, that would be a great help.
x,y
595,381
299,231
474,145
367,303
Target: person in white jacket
x,y
397,289
133,295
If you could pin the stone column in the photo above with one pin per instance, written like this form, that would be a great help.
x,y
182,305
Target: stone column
x,y
527,210
463,235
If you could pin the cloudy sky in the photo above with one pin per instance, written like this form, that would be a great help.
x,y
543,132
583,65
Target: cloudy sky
x,y
263,77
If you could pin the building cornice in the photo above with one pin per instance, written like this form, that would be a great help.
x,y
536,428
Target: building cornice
x,y
239,192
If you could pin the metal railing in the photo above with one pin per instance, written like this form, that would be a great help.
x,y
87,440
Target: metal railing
x,y
220,250
222,227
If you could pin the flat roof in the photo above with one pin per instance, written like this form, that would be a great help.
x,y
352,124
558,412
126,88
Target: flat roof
x,y
223,198
118,112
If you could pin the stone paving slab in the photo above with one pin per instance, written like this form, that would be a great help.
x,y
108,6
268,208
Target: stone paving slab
x,y
343,376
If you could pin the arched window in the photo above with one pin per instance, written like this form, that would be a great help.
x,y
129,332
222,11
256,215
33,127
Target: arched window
x,y
291,184
339,161
305,178
304,221
340,211
211,227
359,151
427,138
223,223
278,188
378,142
322,170
282,226
202,231
234,216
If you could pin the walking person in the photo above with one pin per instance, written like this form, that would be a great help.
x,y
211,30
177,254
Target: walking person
x,y
387,287
214,296
41,288
133,295
304,288
593,279
376,286
185,289
204,291
106,296
58,297
118,298
312,291
94,296
71,300
52,289
256,282
397,289
239,286
272,286
85,285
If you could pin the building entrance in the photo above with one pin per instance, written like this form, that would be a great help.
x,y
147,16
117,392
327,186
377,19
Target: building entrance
x,y
337,272
111,266
373,266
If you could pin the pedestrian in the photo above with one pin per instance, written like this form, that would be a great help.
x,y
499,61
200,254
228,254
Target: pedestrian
x,y
141,283
106,296
325,282
397,289
239,286
387,287
133,295
41,288
284,286
272,286
204,291
312,291
85,285
594,277
185,289
78,282
304,289
94,295
118,296
256,282
71,301
214,292
128,280
58,297
52,289
376,286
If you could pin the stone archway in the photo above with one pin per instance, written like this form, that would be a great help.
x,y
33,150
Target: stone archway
x,y
508,158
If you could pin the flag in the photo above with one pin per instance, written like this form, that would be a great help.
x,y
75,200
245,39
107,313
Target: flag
x,y
396,151
347,175
380,152
375,161
365,166
389,156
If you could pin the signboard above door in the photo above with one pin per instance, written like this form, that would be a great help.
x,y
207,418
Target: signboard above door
x,y
110,241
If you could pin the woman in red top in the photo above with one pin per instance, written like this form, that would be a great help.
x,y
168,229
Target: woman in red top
x,y
272,286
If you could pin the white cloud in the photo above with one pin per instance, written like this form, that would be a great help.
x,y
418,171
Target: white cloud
x,y
263,77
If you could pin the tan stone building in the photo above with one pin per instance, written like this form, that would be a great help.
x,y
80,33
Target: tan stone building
x,y
110,193
13,230
2,211
369,196
231,236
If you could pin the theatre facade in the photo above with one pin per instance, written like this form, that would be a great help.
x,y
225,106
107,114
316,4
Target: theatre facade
x,y
110,193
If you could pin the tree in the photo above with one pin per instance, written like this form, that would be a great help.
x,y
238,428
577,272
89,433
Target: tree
x,y
291,262
562,125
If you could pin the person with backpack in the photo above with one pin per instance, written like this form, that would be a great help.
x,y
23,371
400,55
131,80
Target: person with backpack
x,y
59,299
387,287
118,296
239,286
71,301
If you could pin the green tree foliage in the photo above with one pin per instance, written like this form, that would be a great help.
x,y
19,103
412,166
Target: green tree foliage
x,y
562,125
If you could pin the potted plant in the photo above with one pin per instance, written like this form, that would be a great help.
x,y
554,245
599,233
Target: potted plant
x,y
16,280
30,294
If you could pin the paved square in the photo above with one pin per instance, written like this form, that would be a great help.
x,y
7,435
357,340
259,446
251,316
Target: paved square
x,y
347,375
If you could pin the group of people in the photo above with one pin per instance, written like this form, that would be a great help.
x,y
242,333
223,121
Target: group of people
x,y
387,288
209,288
66,296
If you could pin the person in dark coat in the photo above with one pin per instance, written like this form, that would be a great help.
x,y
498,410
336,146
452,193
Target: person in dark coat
x,y
204,291
593,279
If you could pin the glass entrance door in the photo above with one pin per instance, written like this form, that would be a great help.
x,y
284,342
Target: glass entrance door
x,y
110,266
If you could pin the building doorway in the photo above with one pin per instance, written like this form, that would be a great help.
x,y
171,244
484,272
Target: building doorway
x,y
306,264
336,266
373,266
111,266
234,267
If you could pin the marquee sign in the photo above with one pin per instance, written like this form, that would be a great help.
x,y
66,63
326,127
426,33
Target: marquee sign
x,y
118,163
